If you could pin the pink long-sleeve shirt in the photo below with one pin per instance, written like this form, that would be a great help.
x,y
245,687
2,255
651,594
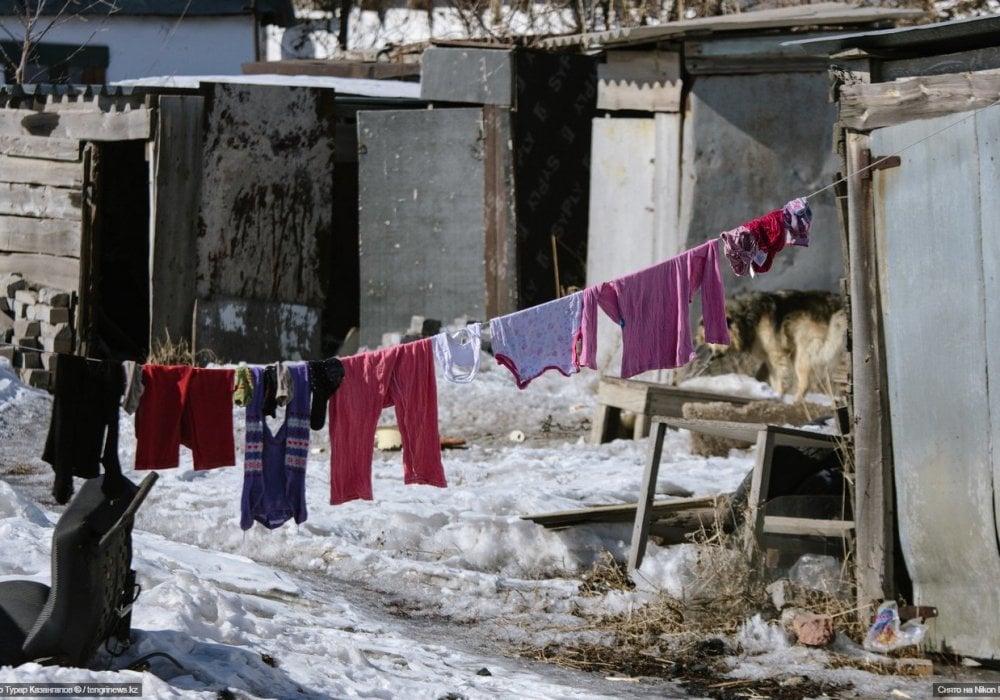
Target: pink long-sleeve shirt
x,y
652,307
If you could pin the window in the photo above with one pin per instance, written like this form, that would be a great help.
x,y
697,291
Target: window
x,y
57,63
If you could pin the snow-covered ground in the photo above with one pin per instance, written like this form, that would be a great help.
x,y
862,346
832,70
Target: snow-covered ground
x,y
423,592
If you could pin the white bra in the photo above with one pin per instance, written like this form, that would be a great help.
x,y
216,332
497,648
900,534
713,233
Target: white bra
x,y
459,351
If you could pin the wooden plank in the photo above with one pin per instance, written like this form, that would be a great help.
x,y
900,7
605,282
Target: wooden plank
x,y
873,500
44,270
651,398
32,171
617,512
602,423
176,158
864,106
41,147
77,124
747,432
644,511
760,482
40,201
498,217
20,234
810,527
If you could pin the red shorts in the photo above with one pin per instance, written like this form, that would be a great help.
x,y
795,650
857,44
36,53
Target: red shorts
x,y
189,406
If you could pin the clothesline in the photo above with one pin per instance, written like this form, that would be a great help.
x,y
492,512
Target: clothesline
x,y
179,405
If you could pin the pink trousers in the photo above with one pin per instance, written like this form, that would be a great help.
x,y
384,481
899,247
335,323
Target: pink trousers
x,y
400,376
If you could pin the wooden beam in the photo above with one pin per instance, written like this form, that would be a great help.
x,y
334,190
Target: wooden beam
x,y
501,270
760,482
77,124
808,527
644,511
873,495
41,147
21,234
175,188
618,512
45,270
40,201
864,107
33,171
748,432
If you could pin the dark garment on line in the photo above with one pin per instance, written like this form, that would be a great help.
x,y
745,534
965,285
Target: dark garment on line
x,y
83,430
324,378
270,383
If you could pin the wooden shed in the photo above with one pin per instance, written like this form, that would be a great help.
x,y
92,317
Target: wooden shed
x,y
704,124
199,210
919,131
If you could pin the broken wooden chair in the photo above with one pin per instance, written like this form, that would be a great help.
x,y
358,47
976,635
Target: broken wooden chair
x,y
763,530
89,601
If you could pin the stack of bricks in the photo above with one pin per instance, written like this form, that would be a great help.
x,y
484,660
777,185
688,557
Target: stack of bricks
x,y
35,325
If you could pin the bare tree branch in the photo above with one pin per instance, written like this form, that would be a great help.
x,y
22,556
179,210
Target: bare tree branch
x,y
31,17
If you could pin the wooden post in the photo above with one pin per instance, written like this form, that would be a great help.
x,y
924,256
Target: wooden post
x,y
175,156
760,483
873,493
644,508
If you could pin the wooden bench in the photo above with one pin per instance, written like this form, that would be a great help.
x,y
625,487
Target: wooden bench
x,y
761,530
645,400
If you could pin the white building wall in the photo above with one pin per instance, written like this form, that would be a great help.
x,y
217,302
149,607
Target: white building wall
x,y
148,46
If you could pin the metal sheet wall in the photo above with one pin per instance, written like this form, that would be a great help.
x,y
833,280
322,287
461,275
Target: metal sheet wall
x,y
938,248
421,227
751,143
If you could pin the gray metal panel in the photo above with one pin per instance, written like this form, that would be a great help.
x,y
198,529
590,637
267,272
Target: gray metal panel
x,y
480,76
935,309
988,132
750,144
422,219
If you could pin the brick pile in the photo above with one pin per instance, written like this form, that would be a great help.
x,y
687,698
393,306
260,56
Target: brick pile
x,y
35,325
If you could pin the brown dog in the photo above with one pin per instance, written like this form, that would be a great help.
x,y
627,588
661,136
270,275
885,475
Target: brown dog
x,y
797,338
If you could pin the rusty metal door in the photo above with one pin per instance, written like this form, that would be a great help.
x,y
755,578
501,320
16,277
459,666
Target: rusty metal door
x,y
939,257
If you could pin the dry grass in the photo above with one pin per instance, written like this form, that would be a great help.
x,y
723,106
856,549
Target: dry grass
x,y
685,639
180,352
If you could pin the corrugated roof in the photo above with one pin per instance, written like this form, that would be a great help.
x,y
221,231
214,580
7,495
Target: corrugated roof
x,y
975,32
820,14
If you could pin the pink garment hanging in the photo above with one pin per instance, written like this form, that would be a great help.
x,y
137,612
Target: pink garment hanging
x,y
401,376
652,308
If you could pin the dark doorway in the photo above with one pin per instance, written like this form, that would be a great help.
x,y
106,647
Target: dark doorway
x,y
120,239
